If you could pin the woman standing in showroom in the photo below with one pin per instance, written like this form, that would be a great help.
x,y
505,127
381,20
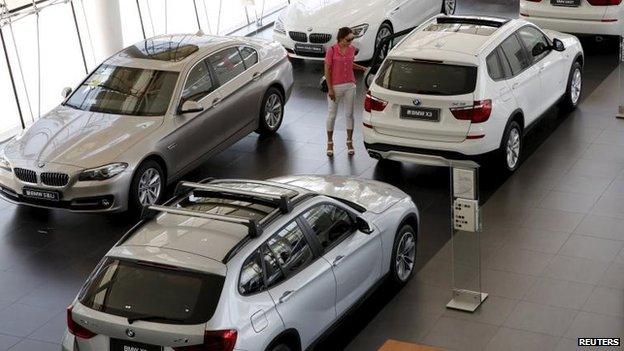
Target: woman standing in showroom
x,y
339,66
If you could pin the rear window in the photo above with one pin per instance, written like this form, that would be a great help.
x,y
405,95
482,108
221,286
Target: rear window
x,y
429,78
156,293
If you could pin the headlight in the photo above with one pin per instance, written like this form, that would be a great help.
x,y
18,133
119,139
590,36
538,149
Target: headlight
x,y
360,30
103,173
4,163
279,26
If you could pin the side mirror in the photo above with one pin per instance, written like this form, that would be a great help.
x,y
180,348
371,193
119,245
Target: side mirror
x,y
363,226
539,49
190,106
66,92
558,45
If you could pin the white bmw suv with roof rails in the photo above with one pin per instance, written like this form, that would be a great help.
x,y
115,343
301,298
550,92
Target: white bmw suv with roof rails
x,y
594,17
462,86
246,265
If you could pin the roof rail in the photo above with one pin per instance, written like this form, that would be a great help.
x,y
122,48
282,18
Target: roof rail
x,y
482,21
282,201
150,212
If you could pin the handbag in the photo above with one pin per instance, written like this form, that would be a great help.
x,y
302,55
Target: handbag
x,y
323,84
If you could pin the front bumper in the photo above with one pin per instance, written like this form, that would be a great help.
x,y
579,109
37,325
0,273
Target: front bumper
x,y
577,26
365,51
92,196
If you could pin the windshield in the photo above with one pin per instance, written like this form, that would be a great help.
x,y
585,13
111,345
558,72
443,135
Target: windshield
x,y
137,290
125,91
428,78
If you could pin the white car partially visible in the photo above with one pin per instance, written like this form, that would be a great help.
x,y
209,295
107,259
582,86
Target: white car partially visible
x,y
594,17
307,28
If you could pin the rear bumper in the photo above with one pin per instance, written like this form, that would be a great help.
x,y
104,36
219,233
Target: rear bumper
x,y
577,26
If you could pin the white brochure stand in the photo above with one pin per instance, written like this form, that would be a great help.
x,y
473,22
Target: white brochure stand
x,y
466,224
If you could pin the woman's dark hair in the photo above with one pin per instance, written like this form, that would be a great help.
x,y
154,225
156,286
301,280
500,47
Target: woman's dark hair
x,y
343,33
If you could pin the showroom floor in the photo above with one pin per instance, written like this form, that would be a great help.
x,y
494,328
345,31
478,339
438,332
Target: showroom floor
x,y
552,252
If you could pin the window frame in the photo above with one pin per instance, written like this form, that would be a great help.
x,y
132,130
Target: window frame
x,y
524,51
240,47
215,82
213,70
496,53
529,51
322,250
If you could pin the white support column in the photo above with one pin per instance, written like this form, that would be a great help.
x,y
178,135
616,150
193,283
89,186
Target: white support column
x,y
105,23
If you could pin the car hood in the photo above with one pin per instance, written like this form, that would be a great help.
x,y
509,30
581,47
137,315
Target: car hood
x,y
375,196
80,138
325,14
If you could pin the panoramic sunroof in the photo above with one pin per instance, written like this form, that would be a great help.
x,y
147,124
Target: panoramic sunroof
x,y
475,29
161,49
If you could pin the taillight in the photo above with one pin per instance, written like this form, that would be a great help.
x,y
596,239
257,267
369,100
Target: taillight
x,y
479,112
604,2
220,340
76,329
374,104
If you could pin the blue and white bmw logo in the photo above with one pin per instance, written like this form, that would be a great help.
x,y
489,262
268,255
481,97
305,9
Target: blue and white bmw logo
x,y
310,29
41,165
130,333
417,102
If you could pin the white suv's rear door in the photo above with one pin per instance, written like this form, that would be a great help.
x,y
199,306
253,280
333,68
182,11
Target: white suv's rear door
x,y
420,96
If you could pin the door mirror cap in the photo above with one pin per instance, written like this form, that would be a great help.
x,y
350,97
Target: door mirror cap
x,y
190,106
66,92
558,45
363,226
539,49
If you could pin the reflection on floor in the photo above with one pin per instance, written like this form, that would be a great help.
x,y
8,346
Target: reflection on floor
x,y
552,252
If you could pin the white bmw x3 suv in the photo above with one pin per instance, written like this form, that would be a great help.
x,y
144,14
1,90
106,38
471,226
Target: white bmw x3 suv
x,y
458,87
596,17
246,265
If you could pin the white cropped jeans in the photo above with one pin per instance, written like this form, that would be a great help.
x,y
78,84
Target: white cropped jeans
x,y
344,92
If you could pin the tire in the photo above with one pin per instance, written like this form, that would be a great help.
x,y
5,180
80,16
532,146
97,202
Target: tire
x,y
574,89
271,113
138,198
449,7
510,152
281,347
385,30
403,251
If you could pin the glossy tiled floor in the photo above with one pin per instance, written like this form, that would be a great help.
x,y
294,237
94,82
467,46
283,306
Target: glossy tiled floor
x,y
553,259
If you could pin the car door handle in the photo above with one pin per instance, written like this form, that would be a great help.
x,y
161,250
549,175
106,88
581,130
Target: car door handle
x,y
395,10
256,76
337,260
286,296
515,86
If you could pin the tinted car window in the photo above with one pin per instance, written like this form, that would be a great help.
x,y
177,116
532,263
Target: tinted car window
x,y
494,66
427,78
198,84
166,295
273,271
250,56
514,52
251,277
125,91
330,224
531,37
291,249
227,64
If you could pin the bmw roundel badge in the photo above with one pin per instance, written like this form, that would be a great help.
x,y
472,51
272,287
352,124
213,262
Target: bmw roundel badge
x,y
130,333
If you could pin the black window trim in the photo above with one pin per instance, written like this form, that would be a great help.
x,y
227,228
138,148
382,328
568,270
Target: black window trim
x,y
529,51
323,251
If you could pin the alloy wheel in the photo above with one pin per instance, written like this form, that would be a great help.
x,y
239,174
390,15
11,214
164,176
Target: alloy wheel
x,y
150,185
513,148
575,86
273,111
405,256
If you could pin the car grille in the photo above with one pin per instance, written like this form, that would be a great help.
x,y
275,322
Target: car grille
x,y
26,175
54,179
299,36
318,38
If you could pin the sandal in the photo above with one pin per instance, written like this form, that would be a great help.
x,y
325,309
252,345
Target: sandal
x,y
330,149
350,147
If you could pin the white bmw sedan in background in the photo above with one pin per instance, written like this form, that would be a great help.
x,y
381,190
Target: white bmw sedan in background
x,y
307,28
595,17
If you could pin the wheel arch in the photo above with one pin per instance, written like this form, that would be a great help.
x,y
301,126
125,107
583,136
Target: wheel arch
x,y
413,221
518,116
290,337
158,159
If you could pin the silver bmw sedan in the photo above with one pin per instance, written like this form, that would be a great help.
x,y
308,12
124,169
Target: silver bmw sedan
x,y
144,118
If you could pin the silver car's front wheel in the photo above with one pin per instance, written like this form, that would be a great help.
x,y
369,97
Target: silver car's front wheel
x,y
150,186
404,255
272,112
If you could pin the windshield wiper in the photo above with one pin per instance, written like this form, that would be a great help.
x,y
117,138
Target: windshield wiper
x,y
148,318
